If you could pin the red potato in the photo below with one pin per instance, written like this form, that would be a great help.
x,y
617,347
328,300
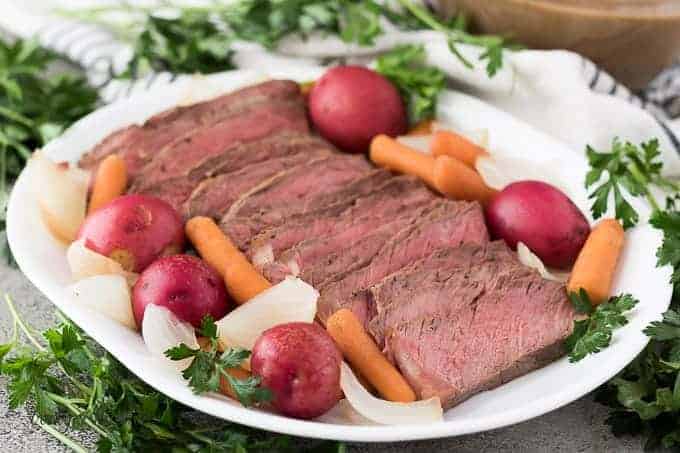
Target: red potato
x,y
300,364
542,217
183,284
350,105
134,230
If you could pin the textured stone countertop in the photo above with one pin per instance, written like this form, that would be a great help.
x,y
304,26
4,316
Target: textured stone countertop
x,y
577,427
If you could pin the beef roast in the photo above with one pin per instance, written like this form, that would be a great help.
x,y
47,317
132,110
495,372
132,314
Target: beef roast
x,y
179,157
326,258
473,327
137,144
214,196
305,188
375,198
450,224
397,298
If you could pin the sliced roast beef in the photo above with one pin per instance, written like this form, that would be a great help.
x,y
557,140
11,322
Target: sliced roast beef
x,y
138,143
375,198
415,290
305,188
326,258
178,189
179,157
502,320
214,196
449,225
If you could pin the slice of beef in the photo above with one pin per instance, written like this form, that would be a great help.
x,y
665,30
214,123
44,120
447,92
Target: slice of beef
x,y
449,225
305,188
214,196
502,321
415,290
178,189
375,198
326,258
138,143
179,157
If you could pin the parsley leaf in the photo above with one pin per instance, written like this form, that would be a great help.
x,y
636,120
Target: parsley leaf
x,y
418,83
594,333
209,367
625,166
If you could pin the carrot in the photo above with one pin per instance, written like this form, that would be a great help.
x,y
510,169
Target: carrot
x,y
362,352
225,387
422,128
446,143
243,281
456,180
389,153
596,263
109,183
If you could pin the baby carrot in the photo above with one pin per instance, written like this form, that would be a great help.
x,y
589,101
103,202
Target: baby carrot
x,y
446,143
456,180
595,266
422,128
389,153
225,386
110,182
243,281
362,352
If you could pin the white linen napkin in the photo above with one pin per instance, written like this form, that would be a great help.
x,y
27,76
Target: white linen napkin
x,y
558,92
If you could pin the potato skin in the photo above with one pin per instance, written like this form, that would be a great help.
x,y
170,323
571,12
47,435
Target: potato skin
x,y
183,284
350,105
300,364
543,218
134,230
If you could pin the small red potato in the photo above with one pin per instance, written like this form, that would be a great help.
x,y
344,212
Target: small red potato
x,y
543,218
134,230
300,364
350,105
183,284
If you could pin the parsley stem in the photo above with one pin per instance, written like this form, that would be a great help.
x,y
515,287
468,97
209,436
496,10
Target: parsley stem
x,y
640,178
68,404
61,437
22,325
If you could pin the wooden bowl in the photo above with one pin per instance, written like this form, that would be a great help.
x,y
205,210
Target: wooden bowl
x,y
632,39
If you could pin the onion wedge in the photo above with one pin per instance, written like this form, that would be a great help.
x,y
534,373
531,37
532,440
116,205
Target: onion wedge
x,y
529,259
344,414
85,263
418,142
106,294
61,193
499,171
387,412
162,330
292,300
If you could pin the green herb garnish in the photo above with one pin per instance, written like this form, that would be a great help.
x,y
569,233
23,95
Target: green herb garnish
x,y
594,333
418,83
34,109
209,367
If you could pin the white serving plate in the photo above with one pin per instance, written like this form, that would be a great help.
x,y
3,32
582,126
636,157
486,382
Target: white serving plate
x,y
43,261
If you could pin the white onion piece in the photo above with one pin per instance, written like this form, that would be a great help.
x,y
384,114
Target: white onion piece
x,y
292,300
85,263
344,414
162,330
387,412
529,259
418,142
499,171
479,137
106,294
61,193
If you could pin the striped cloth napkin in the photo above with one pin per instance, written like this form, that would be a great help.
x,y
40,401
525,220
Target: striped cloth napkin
x,y
558,92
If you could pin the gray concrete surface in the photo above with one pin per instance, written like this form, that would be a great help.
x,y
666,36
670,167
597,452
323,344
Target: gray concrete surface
x,y
577,427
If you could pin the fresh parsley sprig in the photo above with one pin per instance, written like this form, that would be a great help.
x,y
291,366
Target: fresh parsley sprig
x,y
626,166
418,83
594,333
34,109
209,366
71,380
